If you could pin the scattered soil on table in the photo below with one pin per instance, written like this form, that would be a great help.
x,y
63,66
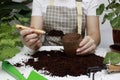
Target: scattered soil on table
x,y
18,64
57,63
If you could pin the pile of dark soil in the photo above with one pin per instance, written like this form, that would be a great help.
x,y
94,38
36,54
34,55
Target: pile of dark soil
x,y
57,63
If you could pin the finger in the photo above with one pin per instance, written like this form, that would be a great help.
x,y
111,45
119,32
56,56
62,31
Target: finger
x,y
31,36
31,42
89,50
87,45
84,41
36,45
26,32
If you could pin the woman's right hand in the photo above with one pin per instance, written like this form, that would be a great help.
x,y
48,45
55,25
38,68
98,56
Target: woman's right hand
x,y
30,39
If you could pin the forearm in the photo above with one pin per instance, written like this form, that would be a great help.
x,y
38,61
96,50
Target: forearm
x,y
96,37
93,29
36,22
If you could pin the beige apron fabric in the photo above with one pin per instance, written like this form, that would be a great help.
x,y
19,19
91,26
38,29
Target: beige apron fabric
x,y
61,18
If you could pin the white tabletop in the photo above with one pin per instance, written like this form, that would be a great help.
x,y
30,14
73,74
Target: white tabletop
x,y
102,75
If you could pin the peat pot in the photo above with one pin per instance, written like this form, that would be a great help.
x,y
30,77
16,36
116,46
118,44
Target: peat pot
x,y
71,43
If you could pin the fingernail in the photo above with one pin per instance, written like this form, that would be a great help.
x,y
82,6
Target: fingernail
x,y
77,50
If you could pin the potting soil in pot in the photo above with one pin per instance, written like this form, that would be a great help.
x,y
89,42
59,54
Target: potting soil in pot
x,y
57,63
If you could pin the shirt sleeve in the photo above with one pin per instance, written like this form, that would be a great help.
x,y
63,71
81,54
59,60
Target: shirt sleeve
x,y
36,8
91,8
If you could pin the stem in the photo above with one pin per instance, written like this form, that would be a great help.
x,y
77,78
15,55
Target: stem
x,y
109,1
112,8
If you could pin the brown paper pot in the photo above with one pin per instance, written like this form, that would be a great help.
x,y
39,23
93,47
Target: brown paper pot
x,y
70,43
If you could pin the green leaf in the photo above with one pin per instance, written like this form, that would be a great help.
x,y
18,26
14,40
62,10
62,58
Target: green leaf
x,y
10,42
112,58
2,35
115,22
111,5
100,9
9,39
117,10
8,52
104,18
110,15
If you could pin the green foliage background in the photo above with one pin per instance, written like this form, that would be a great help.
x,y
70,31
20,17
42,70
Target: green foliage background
x,y
10,41
10,10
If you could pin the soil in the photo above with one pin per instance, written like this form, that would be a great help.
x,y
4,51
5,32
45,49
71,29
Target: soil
x,y
56,33
57,63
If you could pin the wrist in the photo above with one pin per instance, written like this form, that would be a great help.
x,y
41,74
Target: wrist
x,y
26,50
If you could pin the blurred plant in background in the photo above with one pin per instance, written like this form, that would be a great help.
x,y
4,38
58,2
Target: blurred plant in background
x,y
12,13
15,11
9,41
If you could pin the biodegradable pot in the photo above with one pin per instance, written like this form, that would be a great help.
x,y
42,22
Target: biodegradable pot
x,y
71,42
116,36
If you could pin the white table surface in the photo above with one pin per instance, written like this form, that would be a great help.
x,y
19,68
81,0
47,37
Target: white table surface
x,y
102,75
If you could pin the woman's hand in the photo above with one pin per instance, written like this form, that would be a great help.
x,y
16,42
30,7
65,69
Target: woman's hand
x,y
86,46
30,39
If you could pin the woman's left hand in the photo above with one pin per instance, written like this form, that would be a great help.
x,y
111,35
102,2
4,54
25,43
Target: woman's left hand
x,y
86,46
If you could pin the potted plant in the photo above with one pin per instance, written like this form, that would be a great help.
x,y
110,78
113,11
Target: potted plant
x,y
112,14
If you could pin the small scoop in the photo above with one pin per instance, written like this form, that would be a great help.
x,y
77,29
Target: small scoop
x,y
21,27
38,31
9,68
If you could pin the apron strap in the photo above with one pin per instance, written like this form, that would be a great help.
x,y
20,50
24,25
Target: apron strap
x,y
79,15
51,2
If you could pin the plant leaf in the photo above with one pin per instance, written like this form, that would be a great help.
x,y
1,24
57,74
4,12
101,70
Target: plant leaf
x,y
111,5
104,18
100,9
112,58
115,22
8,52
110,15
9,39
